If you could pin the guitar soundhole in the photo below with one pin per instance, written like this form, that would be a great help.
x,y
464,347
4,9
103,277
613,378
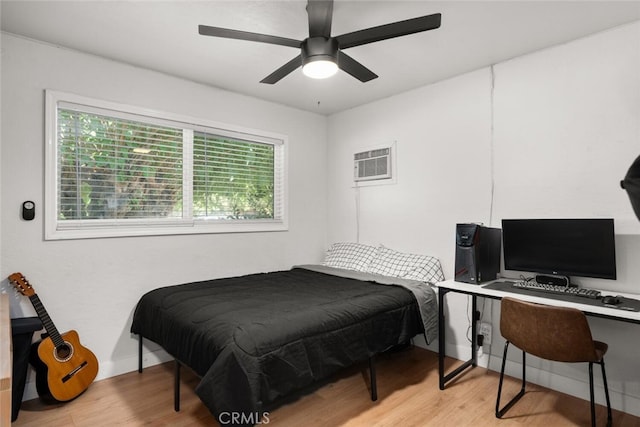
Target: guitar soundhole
x,y
63,352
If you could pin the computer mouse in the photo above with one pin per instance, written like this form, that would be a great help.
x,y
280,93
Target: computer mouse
x,y
611,300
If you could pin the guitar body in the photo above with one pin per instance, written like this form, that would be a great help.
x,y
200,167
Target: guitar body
x,y
65,372
64,367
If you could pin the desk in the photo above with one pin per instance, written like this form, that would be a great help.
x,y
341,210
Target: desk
x,y
481,291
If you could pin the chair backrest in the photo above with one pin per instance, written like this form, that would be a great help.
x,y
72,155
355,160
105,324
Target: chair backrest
x,y
554,333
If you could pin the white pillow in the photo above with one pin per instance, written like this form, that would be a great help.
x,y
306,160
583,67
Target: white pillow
x,y
407,266
351,256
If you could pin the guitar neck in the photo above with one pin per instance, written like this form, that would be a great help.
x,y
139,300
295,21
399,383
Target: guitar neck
x,y
46,321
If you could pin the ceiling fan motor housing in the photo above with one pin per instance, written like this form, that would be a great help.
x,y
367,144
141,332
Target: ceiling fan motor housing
x,y
319,49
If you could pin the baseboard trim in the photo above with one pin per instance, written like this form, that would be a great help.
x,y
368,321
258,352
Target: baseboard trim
x,y
571,386
109,369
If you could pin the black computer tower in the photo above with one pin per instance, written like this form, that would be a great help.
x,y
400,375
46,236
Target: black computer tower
x,y
477,253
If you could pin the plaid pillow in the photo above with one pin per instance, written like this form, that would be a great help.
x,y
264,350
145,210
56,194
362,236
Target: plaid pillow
x,y
407,266
351,256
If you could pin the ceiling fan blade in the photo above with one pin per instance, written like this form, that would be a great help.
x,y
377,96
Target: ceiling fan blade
x,y
353,67
388,31
244,35
283,71
320,14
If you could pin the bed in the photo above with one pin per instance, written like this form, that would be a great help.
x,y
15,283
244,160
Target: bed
x,y
256,338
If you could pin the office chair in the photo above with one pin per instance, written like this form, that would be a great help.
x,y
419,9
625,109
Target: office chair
x,y
560,334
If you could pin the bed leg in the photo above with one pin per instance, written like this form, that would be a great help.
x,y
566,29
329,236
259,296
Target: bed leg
x,y
140,353
425,338
176,386
372,375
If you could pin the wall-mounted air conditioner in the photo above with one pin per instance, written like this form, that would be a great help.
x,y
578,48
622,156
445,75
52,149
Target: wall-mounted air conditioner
x,y
373,164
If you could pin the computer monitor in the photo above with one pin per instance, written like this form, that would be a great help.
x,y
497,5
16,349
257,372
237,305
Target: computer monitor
x,y
561,247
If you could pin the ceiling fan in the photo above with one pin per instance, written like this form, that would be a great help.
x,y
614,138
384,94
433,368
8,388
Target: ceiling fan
x,y
321,55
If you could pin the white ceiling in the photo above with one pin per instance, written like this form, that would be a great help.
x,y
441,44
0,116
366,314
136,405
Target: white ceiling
x,y
163,36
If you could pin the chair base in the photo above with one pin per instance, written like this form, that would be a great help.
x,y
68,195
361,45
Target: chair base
x,y
501,411
505,408
606,394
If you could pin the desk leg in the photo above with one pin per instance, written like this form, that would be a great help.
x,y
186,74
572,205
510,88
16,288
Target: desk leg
x,y
474,330
473,362
441,336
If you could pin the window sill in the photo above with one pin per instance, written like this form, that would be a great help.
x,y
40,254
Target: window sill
x,y
197,227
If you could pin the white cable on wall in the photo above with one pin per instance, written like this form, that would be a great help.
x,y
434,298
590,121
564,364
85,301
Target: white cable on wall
x,y
357,197
491,135
470,317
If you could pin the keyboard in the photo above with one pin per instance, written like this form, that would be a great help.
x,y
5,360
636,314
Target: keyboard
x,y
557,289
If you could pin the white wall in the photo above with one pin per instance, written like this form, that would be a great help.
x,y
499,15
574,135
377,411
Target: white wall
x,y
93,285
442,172
550,135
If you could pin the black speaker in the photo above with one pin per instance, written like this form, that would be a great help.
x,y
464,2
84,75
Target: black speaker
x,y
477,253
545,279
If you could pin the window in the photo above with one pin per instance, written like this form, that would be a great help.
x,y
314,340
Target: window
x,y
116,170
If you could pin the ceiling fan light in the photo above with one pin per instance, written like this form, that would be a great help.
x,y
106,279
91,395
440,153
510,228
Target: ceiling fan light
x,y
320,69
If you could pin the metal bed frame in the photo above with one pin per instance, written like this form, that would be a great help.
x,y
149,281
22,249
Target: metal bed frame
x,y
178,364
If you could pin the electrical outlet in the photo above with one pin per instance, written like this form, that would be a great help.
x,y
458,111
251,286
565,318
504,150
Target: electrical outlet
x,y
485,330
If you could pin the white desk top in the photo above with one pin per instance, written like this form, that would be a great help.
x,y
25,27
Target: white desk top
x,y
603,311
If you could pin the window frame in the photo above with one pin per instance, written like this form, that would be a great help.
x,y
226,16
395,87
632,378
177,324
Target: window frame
x,y
55,229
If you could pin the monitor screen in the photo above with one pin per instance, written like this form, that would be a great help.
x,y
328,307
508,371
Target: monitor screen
x,y
564,247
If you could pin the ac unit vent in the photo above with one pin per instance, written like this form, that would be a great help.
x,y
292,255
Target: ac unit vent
x,y
373,164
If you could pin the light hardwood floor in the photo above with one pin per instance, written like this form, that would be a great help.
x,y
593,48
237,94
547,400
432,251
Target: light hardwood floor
x,y
408,395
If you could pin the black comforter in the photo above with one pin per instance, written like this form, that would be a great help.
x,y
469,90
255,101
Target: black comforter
x,y
255,338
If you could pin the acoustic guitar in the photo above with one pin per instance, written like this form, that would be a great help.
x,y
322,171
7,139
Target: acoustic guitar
x,y
64,368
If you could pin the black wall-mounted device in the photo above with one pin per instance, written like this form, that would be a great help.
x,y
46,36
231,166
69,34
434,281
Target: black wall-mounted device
x,y
28,210
477,253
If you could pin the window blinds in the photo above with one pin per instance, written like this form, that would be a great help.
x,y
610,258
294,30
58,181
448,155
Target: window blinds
x,y
232,179
115,167
112,168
